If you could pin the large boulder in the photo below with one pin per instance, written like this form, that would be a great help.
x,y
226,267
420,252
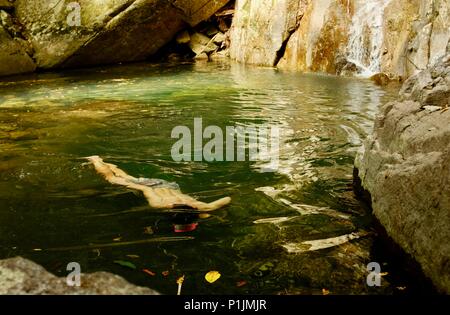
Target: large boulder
x,y
13,55
22,276
197,11
405,166
106,32
6,5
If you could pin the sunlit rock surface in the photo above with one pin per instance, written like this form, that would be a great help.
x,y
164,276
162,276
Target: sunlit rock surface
x,y
405,165
398,38
109,32
22,276
321,37
261,28
416,34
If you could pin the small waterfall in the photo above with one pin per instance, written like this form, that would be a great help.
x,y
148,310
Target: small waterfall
x,y
366,36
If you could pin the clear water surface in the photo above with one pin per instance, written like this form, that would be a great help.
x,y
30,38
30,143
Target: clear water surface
x,y
55,210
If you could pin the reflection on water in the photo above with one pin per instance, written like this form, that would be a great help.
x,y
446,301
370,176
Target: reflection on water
x,y
51,201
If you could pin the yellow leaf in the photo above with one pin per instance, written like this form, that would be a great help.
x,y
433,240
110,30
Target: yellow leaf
x,y
383,274
325,292
180,280
212,276
180,283
133,256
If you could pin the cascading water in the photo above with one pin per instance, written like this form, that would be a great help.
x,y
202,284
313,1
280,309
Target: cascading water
x,y
366,36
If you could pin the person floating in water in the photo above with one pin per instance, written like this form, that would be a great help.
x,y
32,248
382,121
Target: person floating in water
x,y
158,192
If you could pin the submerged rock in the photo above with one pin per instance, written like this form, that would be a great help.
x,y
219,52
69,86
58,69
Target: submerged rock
x,y
22,276
405,166
312,252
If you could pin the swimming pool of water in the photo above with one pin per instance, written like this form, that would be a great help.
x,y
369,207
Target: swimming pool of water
x,y
54,209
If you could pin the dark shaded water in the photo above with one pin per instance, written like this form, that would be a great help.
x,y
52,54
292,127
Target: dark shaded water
x,y
54,209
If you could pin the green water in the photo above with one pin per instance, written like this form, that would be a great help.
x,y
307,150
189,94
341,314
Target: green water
x,y
55,210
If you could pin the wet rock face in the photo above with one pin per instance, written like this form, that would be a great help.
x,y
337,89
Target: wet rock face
x,y
416,34
291,34
261,28
398,38
82,33
320,39
405,165
22,276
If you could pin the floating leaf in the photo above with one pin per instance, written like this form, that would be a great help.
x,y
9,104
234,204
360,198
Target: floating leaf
x,y
266,266
117,239
401,288
180,281
325,292
148,230
212,276
125,264
37,249
133,256
149,272
241,283
383,274
165,273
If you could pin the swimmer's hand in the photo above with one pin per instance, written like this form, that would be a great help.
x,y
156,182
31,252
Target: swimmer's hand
x,y
162,198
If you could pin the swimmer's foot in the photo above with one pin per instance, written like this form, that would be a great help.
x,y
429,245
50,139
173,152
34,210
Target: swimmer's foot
x,y
93,158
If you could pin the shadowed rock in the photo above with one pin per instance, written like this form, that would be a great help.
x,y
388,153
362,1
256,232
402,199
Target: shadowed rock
x,y
22,276
106,32
13,56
